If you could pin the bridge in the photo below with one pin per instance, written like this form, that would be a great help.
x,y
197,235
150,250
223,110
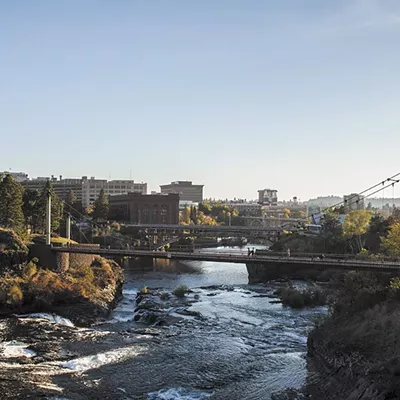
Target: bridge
x,y
240,258
205,228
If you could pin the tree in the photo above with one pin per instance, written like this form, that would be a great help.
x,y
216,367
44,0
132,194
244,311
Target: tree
x,y
193,214
101,206
286,213
185,216
392,242
31,209
203,219
56,208
298,214
205,208
378,228
355,227
72,205
331,239
71,198
11,215
396,214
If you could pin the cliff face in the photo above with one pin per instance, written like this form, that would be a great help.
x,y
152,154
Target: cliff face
x,y
84,292
13,252
356,355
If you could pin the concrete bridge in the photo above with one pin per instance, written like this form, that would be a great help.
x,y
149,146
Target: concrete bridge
x,y
221,230
241,258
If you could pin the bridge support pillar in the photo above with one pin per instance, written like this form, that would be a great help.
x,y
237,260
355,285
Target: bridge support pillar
x,y
48,220
68,227
141,264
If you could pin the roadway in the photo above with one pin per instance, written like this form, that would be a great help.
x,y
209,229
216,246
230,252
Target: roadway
x,y
204,228
241,258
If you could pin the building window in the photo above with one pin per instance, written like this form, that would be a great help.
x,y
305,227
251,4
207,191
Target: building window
x,y
164,214
145,214
154,216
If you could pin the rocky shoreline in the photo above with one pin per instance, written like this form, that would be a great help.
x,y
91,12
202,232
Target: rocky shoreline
x,y
41,353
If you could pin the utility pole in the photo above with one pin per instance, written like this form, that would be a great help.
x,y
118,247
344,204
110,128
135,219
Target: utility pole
x,y
68,227
48,220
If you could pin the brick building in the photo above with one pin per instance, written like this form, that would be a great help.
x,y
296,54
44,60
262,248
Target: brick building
x,y
138,208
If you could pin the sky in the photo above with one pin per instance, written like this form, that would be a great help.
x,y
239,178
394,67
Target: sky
x,y
238,95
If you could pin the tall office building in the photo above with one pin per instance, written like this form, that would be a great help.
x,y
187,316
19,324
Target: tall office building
x,y
186,190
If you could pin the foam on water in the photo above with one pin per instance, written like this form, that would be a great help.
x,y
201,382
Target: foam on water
x,y
97,360
178,394
16,349
54,318
125,310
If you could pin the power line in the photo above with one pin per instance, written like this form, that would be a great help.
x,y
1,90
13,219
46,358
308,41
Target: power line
x,y
364,191
85,218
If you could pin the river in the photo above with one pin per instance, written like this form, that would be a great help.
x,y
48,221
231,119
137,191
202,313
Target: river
x,y
244,346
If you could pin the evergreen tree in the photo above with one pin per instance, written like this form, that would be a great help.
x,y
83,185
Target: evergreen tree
x,y
11,215
100,206
193,214
72,206
30,208
185,216
56,208
71,198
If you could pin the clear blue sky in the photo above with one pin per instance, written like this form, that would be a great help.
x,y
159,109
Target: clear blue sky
x,y
300,96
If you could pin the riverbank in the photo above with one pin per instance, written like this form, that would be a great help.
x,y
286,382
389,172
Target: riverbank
x,y
355,353
218,342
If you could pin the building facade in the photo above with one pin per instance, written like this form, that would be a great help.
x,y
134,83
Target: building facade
x,y
86,190
18,176
91,188
268,197
186,190
61,186
138,208
246,209
353,202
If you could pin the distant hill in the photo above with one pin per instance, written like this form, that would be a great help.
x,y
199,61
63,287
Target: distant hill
x,y
329,201
324,201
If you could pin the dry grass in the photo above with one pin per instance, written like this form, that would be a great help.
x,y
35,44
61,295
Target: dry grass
x,y
36,285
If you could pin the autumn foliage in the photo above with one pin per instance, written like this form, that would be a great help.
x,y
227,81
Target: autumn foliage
x,y
36,286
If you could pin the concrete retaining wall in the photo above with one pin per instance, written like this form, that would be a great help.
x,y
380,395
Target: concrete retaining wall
x,y
60,261
259,273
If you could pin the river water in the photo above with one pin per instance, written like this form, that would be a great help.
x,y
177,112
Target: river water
x,y
244,346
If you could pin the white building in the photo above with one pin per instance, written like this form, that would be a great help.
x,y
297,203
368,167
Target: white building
x,y
353,202
18,176
91,188
86,190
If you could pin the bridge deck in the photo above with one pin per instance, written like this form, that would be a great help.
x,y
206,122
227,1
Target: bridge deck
x,y
204,228
239,258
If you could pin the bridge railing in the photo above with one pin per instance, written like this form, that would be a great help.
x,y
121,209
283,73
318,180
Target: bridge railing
x,y
239,257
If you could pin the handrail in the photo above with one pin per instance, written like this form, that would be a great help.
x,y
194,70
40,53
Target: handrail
x,y
225,256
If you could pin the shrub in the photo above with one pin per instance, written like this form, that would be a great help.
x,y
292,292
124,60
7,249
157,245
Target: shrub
x,y
164,296
29,270
15,296
103,274
302,298
180,291
143,290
